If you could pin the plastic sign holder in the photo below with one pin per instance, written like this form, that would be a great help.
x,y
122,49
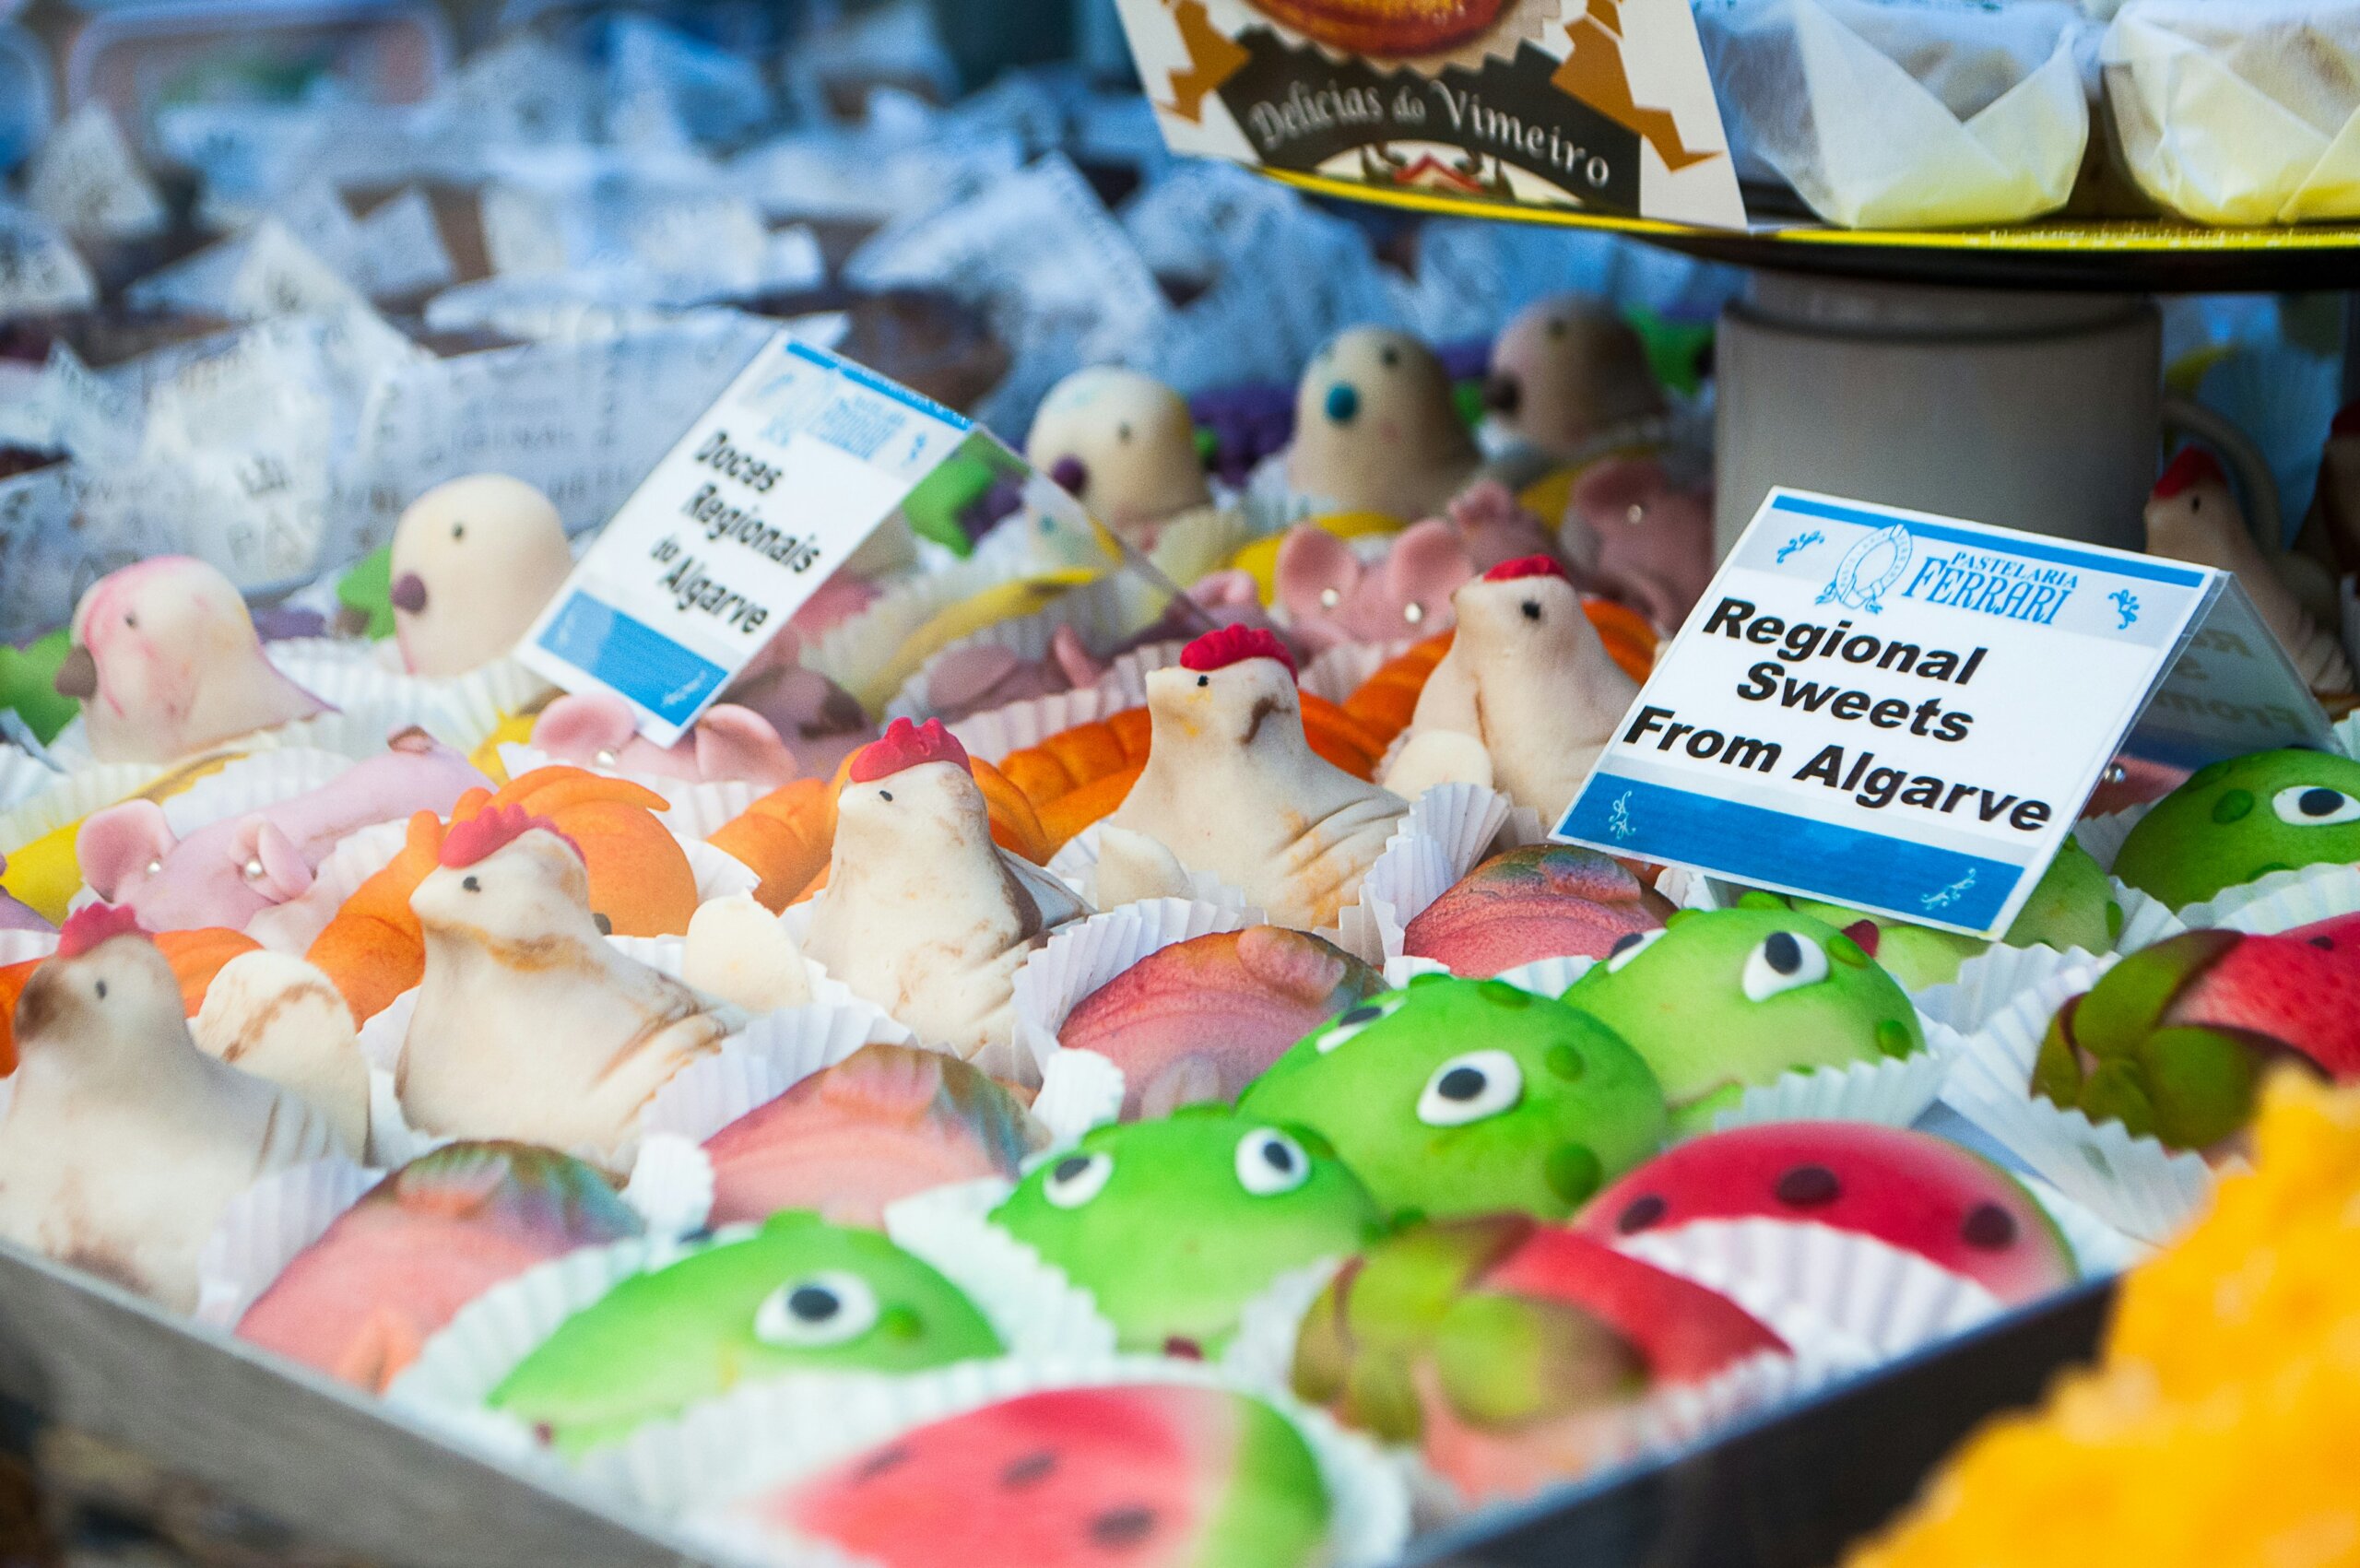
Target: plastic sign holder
x,y
1904,712
775,486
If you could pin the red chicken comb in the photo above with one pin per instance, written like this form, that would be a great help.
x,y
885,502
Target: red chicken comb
x,y
494,828
1228,646
905,744
2192,467
1524,566
96,923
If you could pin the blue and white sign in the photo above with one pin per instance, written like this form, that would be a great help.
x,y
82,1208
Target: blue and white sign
x,y
772,489
1904,712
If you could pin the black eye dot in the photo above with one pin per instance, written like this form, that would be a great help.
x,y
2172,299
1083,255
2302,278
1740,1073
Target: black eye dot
x,y
1640,1214
2318,803
1391,357
1532,610
606,927
470,883
1988,1228
1808,1186
1204,681
1783,952
1277,1155
1028,1469
1070,1167
884,794
1122,1527
1367,1012
1625,942
1123,431
1461,1083
458,530
130,619
101,989
813,1303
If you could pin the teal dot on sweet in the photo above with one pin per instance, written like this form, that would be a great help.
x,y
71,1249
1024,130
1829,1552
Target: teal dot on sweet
x,y
1573,1172
1893,1038
1566,1062
2233,805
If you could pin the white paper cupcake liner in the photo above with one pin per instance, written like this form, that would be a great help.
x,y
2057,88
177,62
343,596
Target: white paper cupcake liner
x,y
1848,1301
23,776
1447,831
254,783
1893,1094
1076,865
69,797
2133,1184
1990,979
2347,729
1082,957
1079,1089
1336,673
733,1449
293,927
994,732
265,1226
465,708
2103,836
2099,1250
1546,977
1033,1307
1399,971
2281,900
358,732
1261,1353
16,947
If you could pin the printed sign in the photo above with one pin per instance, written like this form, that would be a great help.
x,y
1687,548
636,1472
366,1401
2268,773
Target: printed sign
x,y
1598,105
805,454
1904,712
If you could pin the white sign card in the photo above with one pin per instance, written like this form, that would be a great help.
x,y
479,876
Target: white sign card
x,y
804,456
1904,712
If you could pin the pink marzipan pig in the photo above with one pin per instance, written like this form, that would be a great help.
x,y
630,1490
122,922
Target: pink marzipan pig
x,y
599,729
1332,598
229,871
165,662
1651,539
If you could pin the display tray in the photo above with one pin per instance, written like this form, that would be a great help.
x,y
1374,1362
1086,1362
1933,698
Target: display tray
x,y
339,1468
2117,255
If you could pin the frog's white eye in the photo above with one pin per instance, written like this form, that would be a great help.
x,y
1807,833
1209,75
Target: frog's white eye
x,y
1270,1162
2314,806
1781,961
1469,1087
1630,946
1075,1179
1354,1019
817,1310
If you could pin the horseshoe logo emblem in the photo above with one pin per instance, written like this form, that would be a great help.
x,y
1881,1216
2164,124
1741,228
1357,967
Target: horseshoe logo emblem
x,y
1870,568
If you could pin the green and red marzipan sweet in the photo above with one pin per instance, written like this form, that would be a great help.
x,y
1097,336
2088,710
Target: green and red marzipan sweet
x,y
1123,1476
2173,1040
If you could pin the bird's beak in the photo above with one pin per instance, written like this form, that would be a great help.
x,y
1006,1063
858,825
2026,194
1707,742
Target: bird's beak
x,y
409,593
1502,394
78,675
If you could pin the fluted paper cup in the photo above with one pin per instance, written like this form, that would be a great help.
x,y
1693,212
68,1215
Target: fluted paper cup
x,y
1081,957
265,1226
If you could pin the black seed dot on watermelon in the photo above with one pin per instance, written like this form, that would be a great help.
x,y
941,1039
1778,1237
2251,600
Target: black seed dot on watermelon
x,y
1028,1469
544,1434
1808,1186
884,1459
1180,1347
2326,943
1640,1214
1988,1228
1122,1527
1072,1166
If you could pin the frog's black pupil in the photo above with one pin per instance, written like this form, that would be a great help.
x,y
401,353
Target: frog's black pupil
x,y
1366,1012
1277,1155
2318,803
1625,942
1783,953
1642,1213
812,1304
1462,1083
1988,1228
1073,1166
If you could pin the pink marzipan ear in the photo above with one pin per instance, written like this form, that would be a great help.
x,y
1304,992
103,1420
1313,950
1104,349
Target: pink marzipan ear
x,y
1078,664
121,843
1605,493
1311,561
268,859
738,743
579,726
1427,564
